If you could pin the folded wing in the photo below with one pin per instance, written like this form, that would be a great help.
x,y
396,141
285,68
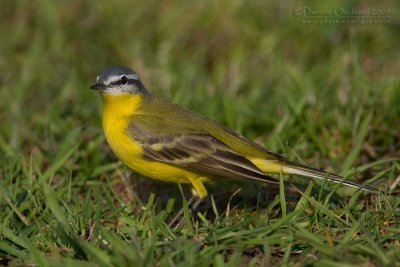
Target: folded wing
x,y
199,152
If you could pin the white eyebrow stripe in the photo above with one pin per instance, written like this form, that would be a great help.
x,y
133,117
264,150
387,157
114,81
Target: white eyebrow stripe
x,y
117,78
132,76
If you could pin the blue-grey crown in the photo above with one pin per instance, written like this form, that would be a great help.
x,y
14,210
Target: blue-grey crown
x,y
105,74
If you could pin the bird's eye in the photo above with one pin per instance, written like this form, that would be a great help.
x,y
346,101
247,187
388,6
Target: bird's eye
x,y
124,80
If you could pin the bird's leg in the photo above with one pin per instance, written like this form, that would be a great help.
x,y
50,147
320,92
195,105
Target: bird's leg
x,y
199,193
193,203
180,213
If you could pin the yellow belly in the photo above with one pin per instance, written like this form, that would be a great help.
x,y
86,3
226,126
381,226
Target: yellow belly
x,y
128,150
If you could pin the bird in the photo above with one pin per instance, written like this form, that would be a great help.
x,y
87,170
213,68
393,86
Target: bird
x,y
164,141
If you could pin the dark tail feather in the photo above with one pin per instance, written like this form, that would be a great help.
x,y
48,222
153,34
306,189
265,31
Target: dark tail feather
x,y
295,168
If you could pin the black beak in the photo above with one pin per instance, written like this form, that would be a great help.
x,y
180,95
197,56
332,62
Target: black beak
x,y
98,86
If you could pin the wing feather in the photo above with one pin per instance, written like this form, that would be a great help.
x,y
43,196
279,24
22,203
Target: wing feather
x,y
196,151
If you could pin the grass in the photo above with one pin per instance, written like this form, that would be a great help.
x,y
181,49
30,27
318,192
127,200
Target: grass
x,y
324,95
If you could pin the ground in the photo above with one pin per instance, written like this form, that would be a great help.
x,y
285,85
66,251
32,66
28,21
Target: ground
x,y
323,93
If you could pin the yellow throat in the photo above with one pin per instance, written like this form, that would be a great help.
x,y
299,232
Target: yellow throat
x,y
117,110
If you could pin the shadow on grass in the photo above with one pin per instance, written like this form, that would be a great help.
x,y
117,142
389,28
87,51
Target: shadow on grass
x,y
250,196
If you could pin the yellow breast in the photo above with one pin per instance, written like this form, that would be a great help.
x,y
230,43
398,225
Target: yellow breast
x,y
117,111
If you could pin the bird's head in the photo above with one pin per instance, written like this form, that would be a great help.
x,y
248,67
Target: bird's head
x,y
118,80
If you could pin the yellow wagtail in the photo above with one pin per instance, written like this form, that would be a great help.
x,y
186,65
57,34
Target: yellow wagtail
x,y
166,142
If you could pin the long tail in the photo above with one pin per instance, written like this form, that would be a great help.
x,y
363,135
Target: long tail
x,y
295,168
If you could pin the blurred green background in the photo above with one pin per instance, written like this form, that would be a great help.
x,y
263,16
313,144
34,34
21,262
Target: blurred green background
x,y
326,95
249,66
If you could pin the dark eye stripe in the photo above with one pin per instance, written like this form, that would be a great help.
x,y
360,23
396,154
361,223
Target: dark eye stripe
x,y
133,82
129,81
